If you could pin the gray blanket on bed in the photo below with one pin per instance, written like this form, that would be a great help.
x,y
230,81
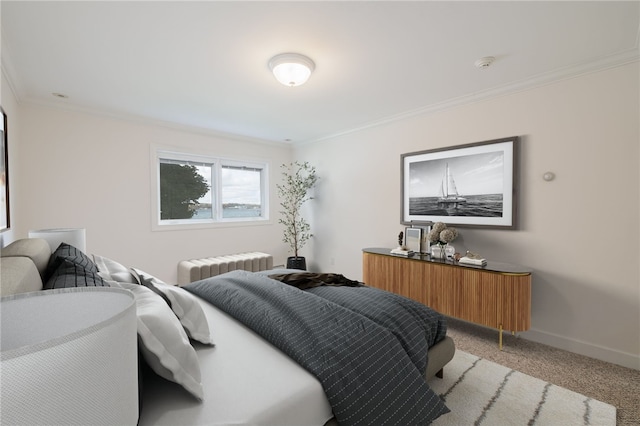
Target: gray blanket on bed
x,y
416,326
368,375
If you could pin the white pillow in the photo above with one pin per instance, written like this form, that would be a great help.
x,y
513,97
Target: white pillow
x,y
113,271
164,343
184,304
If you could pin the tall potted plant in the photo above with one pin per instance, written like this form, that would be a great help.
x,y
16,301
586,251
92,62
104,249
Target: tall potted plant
x,y
298,179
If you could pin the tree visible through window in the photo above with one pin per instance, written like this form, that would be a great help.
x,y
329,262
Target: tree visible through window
x,y
181,187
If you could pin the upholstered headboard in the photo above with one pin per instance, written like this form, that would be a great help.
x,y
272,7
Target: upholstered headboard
x,y
22,265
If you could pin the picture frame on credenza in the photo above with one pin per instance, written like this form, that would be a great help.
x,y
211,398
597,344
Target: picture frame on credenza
x,y
416,238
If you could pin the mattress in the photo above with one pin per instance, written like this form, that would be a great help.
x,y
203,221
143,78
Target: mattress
x,y
246,381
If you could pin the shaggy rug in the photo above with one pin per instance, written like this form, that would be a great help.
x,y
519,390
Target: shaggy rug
x,y
480,392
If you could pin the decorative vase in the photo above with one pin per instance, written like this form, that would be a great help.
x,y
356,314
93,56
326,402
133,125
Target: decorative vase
x,y
297,263
437,251
450,251
442,251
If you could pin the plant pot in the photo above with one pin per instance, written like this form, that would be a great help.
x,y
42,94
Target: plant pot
x,y
296,263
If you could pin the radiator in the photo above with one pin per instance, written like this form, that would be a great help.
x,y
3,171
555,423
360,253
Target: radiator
x,y
198,269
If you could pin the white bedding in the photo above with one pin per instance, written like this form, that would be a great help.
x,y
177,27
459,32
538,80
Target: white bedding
x,y
246,381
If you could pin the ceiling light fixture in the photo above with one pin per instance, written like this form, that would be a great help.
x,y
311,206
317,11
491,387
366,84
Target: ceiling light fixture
x,y
291,69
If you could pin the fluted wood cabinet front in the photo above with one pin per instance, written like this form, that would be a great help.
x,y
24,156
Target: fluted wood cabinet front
x,y
493,298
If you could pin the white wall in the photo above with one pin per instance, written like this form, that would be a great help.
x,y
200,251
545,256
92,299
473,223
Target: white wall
x,y
580,233
83,170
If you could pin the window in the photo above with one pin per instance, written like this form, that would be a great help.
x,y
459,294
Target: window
x,y
241,191
194,189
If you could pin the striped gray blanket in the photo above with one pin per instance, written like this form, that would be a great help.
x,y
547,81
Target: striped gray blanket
x,y
370,362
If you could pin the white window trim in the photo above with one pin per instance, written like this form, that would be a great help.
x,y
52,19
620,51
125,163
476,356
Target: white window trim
x,y
158,152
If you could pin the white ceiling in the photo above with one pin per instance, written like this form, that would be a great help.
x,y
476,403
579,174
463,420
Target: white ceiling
x,y
204,64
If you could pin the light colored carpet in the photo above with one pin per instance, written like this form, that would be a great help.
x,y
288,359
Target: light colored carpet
x,y
479,391
610,383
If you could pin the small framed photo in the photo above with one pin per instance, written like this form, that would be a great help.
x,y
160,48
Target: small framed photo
x,y
424,244
416,238
413,239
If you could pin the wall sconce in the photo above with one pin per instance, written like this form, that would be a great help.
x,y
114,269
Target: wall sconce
x,y
291,69
75,237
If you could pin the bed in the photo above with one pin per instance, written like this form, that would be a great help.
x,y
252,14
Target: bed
x,y
242,359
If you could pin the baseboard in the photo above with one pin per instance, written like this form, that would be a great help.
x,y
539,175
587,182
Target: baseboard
x,y
583,348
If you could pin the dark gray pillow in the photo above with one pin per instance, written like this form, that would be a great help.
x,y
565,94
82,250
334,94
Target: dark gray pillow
x,y
69,274
68,252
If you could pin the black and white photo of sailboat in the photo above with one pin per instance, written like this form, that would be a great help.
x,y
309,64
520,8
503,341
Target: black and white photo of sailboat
x,y
473,184
475,191
448,190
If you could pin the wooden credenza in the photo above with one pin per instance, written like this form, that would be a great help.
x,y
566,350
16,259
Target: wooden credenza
x,y
497,295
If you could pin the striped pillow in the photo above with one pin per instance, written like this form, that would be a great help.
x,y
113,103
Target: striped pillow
x,y
184,304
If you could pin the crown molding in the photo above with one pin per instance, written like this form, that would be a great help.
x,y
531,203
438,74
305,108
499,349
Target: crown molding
x,y
152,122
8,70
601,64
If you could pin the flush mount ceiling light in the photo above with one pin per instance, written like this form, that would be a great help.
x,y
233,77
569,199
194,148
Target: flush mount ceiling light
x,y
291,69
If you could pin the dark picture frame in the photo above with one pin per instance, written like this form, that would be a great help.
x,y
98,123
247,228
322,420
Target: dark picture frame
x,y
471,185
5,217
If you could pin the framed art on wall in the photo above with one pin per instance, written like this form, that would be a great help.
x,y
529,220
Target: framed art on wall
x,y
5,221
466,185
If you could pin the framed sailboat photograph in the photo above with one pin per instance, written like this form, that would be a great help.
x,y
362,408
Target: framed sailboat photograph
x,y
473,185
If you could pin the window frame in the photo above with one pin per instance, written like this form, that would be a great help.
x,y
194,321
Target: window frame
x,y
217,163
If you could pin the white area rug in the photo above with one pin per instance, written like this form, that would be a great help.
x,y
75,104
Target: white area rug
x,y
481,392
